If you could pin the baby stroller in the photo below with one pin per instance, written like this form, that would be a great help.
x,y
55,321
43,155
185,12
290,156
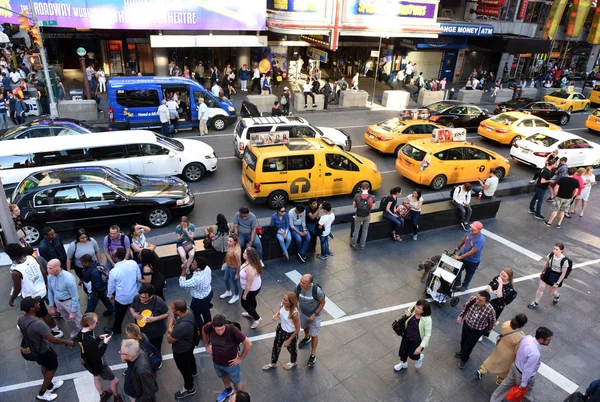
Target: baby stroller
x,y
441,280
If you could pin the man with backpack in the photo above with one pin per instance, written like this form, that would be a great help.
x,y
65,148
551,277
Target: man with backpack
x,y
113,241
285,101
327,91
182,333
555,271
35,346
97,275
140,381
363,203
311,301
222,339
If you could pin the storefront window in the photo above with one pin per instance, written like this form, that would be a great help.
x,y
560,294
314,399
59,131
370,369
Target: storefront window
x,y
115,57
146,63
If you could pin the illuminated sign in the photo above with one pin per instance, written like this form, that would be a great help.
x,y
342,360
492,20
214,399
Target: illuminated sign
x,y
466,29
398,8
297,6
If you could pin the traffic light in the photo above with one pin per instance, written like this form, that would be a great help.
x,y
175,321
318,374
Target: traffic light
x,y
24,22
35,35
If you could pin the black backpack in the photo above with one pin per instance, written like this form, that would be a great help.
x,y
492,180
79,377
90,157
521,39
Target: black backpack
x,y
232,326
566,259
363,206
153,355
315,294
28,353
384,201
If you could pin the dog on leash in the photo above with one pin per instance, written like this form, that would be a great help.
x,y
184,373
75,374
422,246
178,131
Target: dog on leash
x,y
428,265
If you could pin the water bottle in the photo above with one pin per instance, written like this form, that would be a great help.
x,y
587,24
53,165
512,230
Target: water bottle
x,y
479,195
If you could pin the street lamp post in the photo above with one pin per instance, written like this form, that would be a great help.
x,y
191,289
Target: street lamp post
x,y
376,72
81,52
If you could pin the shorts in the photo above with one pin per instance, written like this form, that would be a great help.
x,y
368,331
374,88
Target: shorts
x,y
550,277
561,204
313,327
48,360
234,373
106,374
43,311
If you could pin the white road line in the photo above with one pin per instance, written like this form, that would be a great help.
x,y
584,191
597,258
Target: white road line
x,y
227,157
364,125
547,371
219,191
86,391
388,171
205,137
332,308
512,245
575,129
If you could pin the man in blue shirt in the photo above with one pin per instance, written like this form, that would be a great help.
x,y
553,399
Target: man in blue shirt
x,y
64,296
122,286
469,252
52,247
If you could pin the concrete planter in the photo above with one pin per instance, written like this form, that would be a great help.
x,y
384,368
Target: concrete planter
x,y
395,99
264,103
80,110
470,96
298,102
503,95
428,97
352,98
529,93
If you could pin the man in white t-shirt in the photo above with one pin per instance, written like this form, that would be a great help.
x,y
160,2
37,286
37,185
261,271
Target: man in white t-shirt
x,y
29,279
163,115
325,223
203,116
489,186
307,89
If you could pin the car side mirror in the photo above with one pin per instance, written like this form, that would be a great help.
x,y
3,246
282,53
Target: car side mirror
x,y
171,154
118,198
484,111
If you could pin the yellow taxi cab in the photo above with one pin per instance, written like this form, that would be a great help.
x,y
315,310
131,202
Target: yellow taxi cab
x,y
593,121
300,169
439,161
509,127
570,101
595,95
390,135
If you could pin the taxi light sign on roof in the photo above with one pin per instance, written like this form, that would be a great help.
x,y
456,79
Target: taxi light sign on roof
x,y
414,114
449,134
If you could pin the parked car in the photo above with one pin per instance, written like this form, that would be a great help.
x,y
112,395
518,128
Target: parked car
x,y
593,121
568,100
68,198
390,135
457,114
543,109
49,128
507,128
534,150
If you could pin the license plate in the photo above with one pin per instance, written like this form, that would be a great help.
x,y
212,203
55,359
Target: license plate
x,y
524,151
371,136
249,182
488,128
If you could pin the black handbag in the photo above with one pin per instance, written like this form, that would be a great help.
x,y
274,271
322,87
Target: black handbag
x,y
399,326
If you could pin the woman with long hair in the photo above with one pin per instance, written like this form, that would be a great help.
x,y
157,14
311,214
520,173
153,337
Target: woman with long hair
x,y
233,261
15,214
199,286
504,354
151,275
186,247
82,245
287,331
415,202
502,291
416,337
251,282
220,232
589,180
391,214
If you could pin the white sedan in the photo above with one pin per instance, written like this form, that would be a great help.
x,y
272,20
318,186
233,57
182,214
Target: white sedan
x,y
535,149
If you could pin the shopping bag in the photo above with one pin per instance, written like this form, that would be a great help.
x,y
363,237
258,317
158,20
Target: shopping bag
x,y
515,394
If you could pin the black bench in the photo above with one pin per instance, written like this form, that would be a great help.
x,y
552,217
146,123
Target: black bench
x,y
434,215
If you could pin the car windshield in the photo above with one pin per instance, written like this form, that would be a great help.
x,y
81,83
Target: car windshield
x,y
504,119
239,128
169,142
560,94
596,113
391,124
250,158
440,107
353,156
413,152
10,132
542,140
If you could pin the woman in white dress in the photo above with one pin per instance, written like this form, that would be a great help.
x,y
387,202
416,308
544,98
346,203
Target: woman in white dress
x,y
589,180
101,81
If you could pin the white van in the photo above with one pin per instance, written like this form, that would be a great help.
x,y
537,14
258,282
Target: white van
x,y
138,152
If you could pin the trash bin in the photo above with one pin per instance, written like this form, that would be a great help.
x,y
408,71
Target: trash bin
x,y
76,94
516,90
451,94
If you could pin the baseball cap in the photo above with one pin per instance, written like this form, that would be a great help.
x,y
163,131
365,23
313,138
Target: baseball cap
x,y
28,302
286,89
477,225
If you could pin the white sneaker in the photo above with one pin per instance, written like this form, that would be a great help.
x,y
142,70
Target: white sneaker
x,y
226,294
234,299
400,366
420,361
57,385
48,396
256,323
480,338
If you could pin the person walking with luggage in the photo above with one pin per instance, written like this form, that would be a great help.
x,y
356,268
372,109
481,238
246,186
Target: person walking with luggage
x,y
251,281
181,334
92,350
527,363
469,252
416,338
151,313
504,354
555,270
502,291
140,383
363,203
38,337
199,286
287,331
63,296
311,302
478,318
222,339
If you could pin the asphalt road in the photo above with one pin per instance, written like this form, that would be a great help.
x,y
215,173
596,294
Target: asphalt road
x,y
221,192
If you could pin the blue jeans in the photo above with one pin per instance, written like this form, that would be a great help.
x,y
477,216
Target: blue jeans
x,y
245,238
164,129
284,243
301,242
469,268
230,276
413,218
234,373
465,212
398,222
3,121
538,197
99,295
325,245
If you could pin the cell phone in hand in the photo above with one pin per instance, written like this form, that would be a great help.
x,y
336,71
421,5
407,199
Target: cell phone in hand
x,y
109,334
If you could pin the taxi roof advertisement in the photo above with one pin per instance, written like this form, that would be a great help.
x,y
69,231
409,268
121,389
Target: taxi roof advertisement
x,y
145,14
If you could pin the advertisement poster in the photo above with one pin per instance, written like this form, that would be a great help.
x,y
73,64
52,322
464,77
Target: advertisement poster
x,y
145,14
278,54
448,134
277,137
397,8
297,6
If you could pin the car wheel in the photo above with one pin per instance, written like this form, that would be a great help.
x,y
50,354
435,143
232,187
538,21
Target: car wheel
x,y
397,151
570,109
500,172
357,189
587,107
158,217
194,172
517,138
449,124
218,123
564,120
277,199
438,182
32,233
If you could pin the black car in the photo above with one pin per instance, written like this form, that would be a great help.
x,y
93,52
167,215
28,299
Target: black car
x,y
70,198
49,128
542,109
457,114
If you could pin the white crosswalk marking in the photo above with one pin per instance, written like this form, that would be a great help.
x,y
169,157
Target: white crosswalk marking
x,y
86,391
512,245
332,308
